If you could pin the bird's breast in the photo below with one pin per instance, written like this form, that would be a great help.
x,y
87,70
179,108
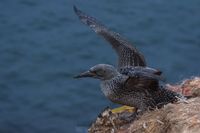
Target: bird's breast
x,y
107,88
110,88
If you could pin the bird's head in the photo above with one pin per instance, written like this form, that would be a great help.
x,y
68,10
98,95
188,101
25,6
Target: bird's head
x,y
100,71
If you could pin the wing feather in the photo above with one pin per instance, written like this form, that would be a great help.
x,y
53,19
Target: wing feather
x,y
127,54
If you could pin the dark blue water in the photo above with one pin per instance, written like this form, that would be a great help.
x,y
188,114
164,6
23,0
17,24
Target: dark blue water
x,y
43,44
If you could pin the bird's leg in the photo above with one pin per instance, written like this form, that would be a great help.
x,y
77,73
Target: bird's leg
x,y
125,113
123,109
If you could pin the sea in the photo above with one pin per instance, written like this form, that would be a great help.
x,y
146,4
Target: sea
x,y
43,45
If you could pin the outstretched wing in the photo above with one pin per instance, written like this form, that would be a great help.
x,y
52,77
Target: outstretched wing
x,y
127,54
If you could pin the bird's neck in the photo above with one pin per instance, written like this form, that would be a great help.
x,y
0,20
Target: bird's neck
x,y
108,87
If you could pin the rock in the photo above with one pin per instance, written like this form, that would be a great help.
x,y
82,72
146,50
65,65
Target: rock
x,y
173,118
180,117
108,122
189,87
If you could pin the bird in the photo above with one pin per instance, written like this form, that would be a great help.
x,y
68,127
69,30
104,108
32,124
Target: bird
x,y
132,82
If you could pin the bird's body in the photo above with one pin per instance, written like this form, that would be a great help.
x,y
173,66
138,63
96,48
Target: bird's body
x,y
137,92
132,83
136,96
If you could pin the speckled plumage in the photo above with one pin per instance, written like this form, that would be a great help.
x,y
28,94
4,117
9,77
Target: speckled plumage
x,y
132,83
137,92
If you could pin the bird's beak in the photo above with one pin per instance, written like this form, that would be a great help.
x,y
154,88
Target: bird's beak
x,y
85,74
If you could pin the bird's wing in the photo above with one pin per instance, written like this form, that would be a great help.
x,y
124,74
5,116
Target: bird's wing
x,y
127,54
144,72
141,82
141,77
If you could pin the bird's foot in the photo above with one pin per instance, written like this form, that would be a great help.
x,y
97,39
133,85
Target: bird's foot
x,y
123,109
125,113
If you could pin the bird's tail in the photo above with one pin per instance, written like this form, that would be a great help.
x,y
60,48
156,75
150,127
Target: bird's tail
x,y
165,96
